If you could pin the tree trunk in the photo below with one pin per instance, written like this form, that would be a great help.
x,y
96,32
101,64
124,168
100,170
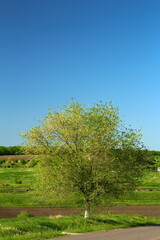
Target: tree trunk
x,y
87,209
86,214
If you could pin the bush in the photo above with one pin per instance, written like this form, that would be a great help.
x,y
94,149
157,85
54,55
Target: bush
x,y
18,181
24,214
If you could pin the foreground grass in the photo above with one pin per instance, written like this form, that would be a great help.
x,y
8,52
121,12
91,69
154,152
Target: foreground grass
x,y
41,227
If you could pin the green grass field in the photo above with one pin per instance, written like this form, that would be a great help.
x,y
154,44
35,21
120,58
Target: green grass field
x,y
148,193
16,190
16,178
36,228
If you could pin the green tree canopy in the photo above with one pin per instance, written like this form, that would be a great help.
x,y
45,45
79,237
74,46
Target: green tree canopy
x,y
12,150
87,150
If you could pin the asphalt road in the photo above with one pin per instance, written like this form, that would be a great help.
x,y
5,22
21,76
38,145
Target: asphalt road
x,y
138,233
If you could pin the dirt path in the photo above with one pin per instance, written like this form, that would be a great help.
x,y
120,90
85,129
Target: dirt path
x,y
11,212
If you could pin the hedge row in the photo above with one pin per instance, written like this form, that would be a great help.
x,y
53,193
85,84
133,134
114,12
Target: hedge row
x,y
13,150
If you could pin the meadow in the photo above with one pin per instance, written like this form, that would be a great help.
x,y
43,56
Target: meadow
x,y
16,189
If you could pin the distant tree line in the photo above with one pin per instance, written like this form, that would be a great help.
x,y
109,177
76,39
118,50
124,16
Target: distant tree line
x,y
12,150
155,153
19,150
153,159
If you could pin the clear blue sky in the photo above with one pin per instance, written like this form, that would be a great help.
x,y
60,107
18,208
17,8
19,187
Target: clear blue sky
x,y
92,50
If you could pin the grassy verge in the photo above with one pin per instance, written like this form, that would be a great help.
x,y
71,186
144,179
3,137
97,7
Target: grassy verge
x,y
34,228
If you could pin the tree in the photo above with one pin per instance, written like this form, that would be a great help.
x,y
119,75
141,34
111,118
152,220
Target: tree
x,y
12,150
87,151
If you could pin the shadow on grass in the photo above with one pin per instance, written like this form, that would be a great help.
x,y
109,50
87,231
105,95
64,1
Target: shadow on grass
x,y
50,225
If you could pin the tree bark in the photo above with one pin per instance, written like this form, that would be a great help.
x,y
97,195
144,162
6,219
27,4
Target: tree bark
x,y
87,209
86,214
